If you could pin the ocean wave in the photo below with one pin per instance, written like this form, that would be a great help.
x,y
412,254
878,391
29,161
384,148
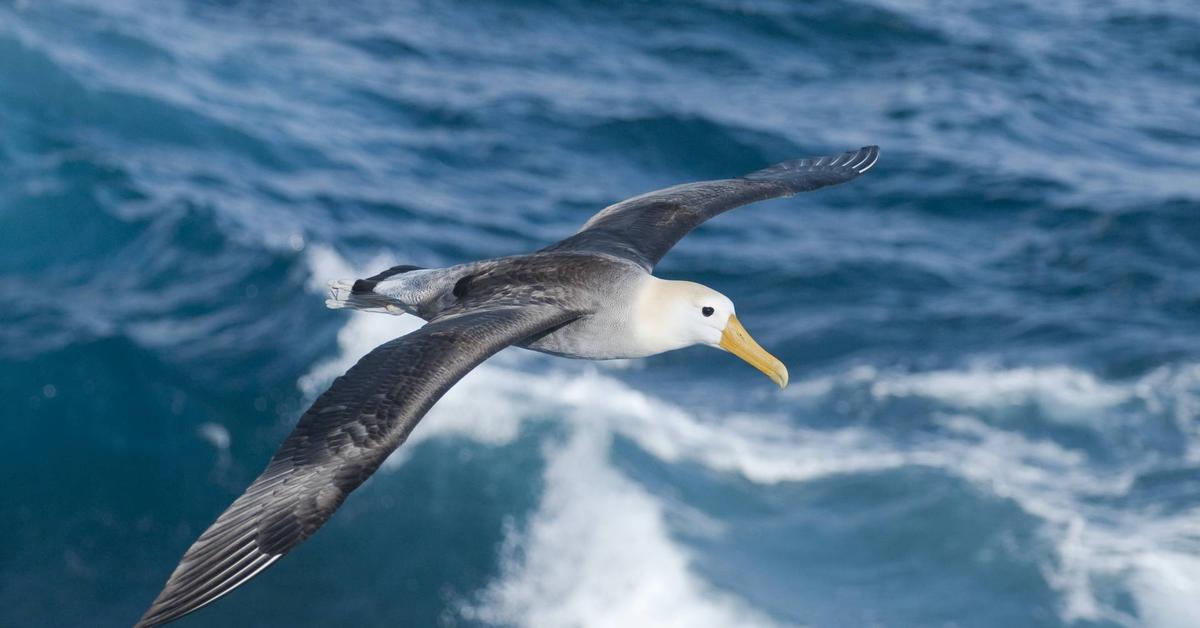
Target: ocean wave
x,y
993,418
598,552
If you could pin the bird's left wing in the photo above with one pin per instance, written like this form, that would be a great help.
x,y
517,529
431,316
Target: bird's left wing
x,y
642,229
337,444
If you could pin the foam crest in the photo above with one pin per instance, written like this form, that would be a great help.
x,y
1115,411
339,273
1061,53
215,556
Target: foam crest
x,y
1058,388
1062,393
597,552
1167,588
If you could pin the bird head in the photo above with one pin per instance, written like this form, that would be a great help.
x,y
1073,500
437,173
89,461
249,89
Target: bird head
x,y
679,314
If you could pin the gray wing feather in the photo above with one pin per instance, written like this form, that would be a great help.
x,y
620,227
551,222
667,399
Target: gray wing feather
x,y
645,227
337,444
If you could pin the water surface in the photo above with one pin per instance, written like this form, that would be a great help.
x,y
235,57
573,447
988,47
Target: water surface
x,y
994,336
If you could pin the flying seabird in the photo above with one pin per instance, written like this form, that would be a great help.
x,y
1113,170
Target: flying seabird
x,y
589,296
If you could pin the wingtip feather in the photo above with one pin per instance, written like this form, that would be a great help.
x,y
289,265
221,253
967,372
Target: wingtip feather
x,y
870,157
810,173
172,605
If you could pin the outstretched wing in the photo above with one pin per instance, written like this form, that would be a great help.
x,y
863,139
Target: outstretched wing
x,y
645,227
339,442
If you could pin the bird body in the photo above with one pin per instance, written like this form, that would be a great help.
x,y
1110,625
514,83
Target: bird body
x,y
591,296
600,287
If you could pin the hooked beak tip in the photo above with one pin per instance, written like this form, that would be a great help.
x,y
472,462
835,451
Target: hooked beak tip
x,y
736,340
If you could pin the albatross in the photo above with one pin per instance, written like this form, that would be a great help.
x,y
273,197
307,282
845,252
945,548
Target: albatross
x,y
591,296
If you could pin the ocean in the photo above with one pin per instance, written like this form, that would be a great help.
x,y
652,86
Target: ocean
x,y
993,336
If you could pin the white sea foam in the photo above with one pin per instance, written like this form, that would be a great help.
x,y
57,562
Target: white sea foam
x,y
598,553
1167,588
1060,390
216,435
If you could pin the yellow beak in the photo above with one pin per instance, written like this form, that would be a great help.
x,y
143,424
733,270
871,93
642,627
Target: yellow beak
x,y
737,341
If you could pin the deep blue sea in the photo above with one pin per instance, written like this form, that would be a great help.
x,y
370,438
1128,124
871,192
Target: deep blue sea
x,y
993,336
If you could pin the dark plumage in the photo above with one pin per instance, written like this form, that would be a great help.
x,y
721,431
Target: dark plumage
x,y
338,443
571,298
365,286
645,227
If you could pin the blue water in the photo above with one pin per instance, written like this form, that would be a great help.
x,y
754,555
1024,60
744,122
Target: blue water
x,y
994,336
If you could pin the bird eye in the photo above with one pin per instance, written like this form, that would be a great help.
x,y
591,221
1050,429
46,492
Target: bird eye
x,y
707,311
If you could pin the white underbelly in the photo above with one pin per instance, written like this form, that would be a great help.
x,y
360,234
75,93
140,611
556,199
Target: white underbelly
x,y
589,339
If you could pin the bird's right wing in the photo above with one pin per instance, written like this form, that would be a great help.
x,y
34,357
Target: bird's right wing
x,y
337,444
642,229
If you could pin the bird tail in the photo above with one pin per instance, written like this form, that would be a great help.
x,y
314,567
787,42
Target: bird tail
x,y
342,295
360,294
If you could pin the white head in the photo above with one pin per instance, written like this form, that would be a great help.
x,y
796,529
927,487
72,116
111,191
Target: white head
x,y
675,314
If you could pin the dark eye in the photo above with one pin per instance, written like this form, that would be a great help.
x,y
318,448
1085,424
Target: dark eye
x,y
707,311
